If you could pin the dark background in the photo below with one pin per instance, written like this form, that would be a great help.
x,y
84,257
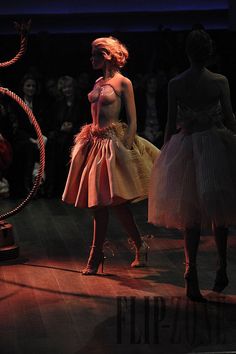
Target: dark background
x,y
154,32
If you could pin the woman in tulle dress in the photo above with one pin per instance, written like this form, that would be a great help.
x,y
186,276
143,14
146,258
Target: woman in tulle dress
x,y
110,164
193,184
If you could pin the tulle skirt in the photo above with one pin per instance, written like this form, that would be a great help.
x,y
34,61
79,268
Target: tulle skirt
x,y
194,181
103,172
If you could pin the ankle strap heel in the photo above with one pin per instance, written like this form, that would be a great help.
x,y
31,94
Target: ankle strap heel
x,y
96,257
191,283
141,255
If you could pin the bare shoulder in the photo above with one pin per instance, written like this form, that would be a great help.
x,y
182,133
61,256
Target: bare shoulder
x,y
125,82
178,79
219,78
175,83
120,80
222,82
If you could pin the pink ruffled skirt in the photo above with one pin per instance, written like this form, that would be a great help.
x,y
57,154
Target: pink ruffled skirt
x,y
103,172
194,181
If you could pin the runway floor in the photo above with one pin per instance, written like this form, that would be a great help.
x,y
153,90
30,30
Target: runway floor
x,y
48,306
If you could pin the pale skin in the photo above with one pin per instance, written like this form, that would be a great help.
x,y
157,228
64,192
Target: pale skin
x,y
198,88
106,113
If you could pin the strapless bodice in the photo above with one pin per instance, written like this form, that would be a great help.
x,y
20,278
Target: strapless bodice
x,y
192,120
106,93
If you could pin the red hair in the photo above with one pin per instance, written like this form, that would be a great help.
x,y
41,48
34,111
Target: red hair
x,y
110,46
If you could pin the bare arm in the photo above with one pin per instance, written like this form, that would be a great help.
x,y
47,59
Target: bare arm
x,y
172,111
225,100
128,95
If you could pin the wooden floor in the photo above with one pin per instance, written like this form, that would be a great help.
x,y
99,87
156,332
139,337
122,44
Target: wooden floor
x,y
47,306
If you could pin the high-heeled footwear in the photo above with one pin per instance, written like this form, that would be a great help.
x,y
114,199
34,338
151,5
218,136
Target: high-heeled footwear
x,y
221,280
96,258
191,284
141,256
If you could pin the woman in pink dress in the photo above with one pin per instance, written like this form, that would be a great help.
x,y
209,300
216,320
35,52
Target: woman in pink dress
x,y
193,184
110,164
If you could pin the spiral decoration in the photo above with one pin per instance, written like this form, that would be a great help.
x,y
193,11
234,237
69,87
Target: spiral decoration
x,y
23,46
23,29
38,178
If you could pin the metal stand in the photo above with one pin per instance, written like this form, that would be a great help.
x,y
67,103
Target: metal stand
x,y
8,248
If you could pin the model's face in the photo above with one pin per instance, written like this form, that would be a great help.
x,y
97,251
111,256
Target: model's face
x,y
29,87
97,59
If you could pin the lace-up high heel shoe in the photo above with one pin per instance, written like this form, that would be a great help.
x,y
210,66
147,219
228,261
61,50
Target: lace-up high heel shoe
x,y
141,256
96,258
221,280
191,284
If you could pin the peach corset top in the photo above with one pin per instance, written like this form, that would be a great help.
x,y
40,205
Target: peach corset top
x,y
105,94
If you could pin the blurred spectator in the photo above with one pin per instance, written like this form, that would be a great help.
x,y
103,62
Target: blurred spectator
x,y
83,83
151,106
67,117
51,89
6,117
5,147
83,87
24,142
138,82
